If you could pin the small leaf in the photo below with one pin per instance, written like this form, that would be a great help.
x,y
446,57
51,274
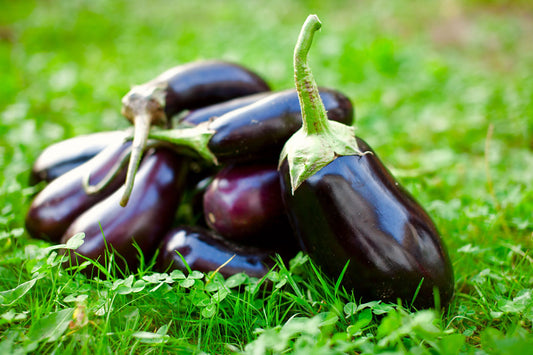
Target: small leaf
x,y
77,299
364,318
177,275
518,304
155,277
209,311
196,275
299,260
75,241
219,296
330,319
12,316
350,308
236,280
469,249
187,283
138,286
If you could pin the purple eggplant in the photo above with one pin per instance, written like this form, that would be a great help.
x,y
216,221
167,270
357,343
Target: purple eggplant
x,y
204,114
61,201
205,251
243,203
255,132
259,131
354,210
347,209
65,155
184,87
146,219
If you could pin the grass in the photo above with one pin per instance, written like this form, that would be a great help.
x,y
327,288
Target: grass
x,y
443,92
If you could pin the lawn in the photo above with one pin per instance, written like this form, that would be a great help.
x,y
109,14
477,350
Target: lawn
x,y
443,92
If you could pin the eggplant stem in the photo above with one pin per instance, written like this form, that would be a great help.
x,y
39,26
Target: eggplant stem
x,y
140,136
314,116
320,140
113,172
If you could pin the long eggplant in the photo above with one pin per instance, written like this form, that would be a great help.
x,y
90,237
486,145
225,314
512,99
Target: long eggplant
x,y
60,202
204,114
257,132
65,155
144,222
205,251
260,130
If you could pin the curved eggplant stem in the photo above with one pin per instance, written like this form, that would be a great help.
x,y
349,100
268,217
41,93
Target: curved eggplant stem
x,y
140,136
110,176
314,116
320,140
115,169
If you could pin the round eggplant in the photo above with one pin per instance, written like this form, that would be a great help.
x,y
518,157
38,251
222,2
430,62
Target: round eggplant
x,y
243,203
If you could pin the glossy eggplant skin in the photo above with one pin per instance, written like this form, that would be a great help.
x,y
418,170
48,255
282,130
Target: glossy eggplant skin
x,y
65,155
60,202
243,203
354,210
206,82
205,251
153,203
259,131
204,114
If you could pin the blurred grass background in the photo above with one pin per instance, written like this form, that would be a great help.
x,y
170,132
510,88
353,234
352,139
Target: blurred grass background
x,y
443,92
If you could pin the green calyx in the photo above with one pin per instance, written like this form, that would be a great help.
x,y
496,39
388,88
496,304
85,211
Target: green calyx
x,y
320,140
189,141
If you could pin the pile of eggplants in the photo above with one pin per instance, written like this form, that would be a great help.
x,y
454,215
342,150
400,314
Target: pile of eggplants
x,y
211,136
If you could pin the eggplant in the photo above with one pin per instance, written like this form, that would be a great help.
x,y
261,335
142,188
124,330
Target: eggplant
x,y
196,200
204,114
146,219
243,203
184,87
65,155
55,207
348,210
354,210
201,83
259,131
203,250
